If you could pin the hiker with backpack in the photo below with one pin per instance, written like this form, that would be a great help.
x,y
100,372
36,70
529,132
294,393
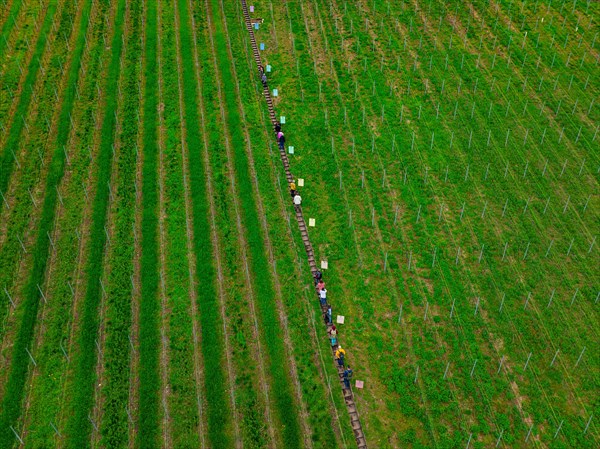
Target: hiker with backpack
x,y
340,353
347,376
318,276
332,332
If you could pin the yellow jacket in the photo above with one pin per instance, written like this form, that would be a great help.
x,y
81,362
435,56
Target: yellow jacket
x,y
340,351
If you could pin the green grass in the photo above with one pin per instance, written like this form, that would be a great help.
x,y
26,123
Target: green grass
x,y
8,24
323,425
264,292
78,425
46,392
183,407
208,305
474,335
427,131
149,307
117,352
19,367
14,134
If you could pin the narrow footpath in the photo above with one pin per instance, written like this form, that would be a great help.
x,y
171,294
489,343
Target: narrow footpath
x,y
346,390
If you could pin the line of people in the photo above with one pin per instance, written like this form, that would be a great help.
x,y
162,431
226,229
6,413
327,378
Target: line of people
x,y
338,351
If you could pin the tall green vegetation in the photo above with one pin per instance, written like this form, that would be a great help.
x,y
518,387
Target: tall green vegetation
x,y
117,352
218,410
79,426
8,25
265,295
184,381
149,336
11,403
7,160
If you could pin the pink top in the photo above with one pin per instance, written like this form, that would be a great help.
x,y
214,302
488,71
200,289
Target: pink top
x,y
321,285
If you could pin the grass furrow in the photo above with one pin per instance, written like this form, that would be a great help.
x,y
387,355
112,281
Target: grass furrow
x,y
208,305
183,377
10,149
45,397
12,399
8,24
117,353
149,307
79,426
265,295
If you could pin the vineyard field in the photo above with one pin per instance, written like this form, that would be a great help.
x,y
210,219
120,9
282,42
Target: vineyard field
x,y
160,240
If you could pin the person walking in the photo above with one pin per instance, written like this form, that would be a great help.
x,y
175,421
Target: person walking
x,y
263,78
346,383
340,353
281,140
277,127
323,296
297,199
318,276
333,337
347,376
320,285
328,320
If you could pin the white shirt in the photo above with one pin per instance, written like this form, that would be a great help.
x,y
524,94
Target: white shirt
x,y
297,200
323,294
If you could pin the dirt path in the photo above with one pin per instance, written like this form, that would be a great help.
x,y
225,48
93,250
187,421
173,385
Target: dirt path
x,y
4,14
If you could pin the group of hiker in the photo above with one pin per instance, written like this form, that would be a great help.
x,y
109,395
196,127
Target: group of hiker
x,y
339,352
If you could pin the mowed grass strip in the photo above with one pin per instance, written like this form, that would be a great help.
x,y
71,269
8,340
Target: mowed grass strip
x,y
78,425
117,352
310,375
218,413
10,149
184,392
11,404
9,23
20,219
259,265
45,391
149,336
